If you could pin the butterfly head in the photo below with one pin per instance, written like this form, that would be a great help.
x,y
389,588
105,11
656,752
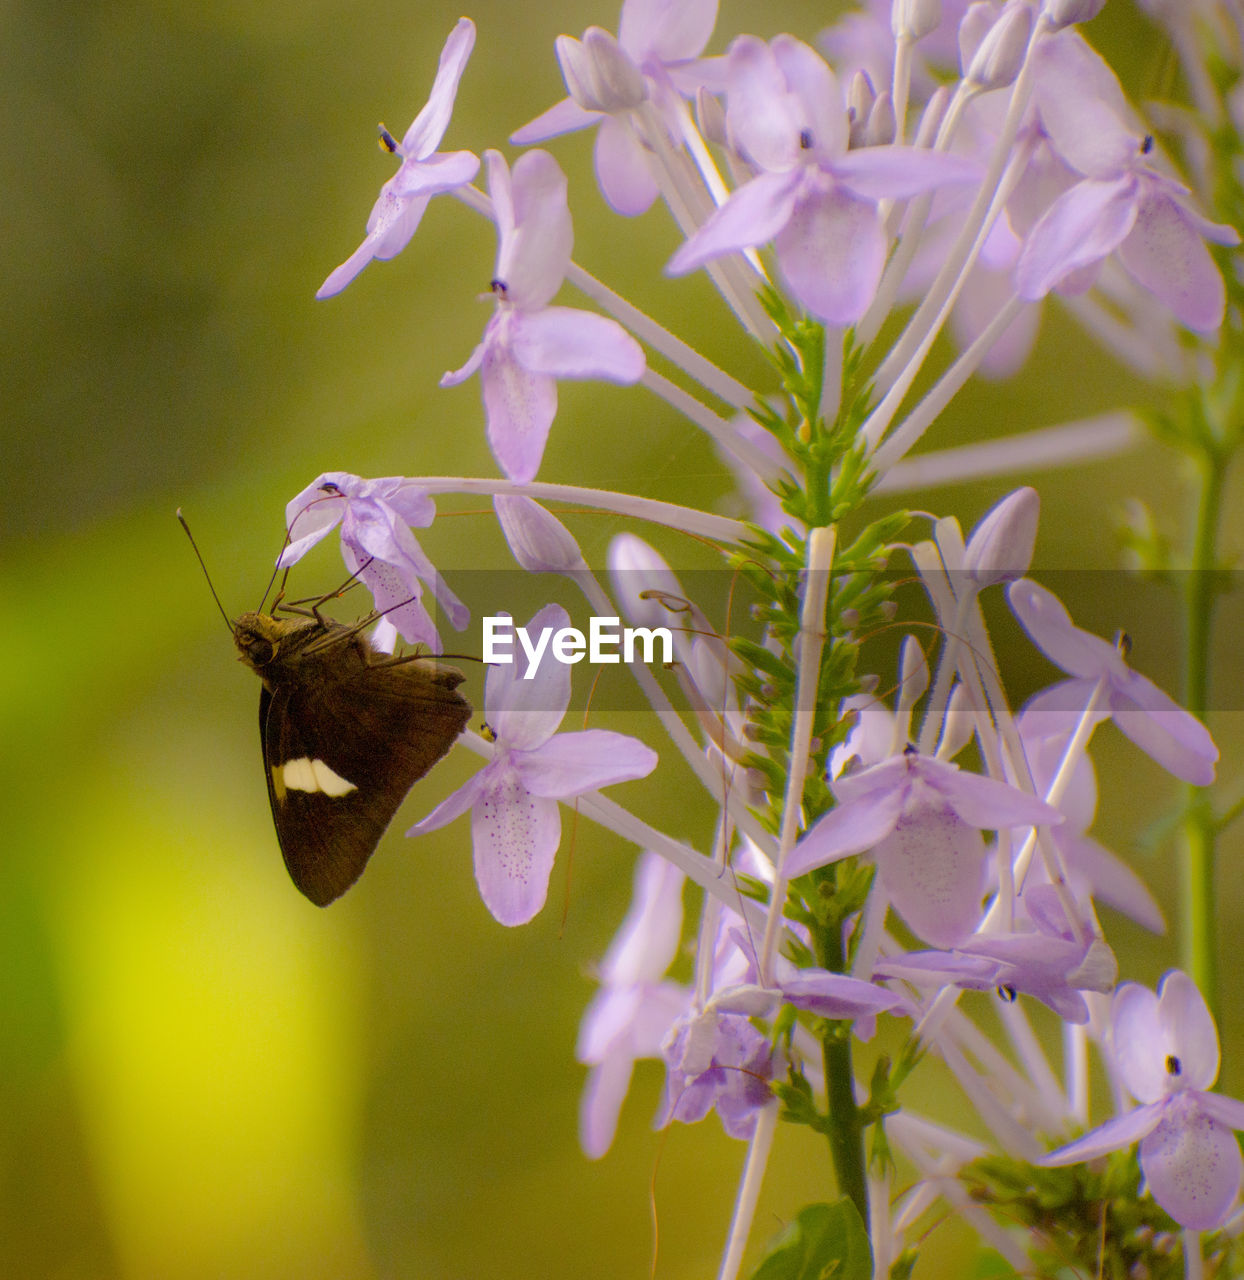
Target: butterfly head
x,y
258,638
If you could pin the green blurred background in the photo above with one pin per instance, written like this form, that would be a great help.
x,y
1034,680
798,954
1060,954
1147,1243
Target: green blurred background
x,y
204,1076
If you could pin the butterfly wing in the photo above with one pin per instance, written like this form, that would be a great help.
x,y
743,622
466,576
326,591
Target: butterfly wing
x,y
340,754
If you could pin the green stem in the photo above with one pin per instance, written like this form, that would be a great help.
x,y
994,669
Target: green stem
x,y
846,1133
1199,935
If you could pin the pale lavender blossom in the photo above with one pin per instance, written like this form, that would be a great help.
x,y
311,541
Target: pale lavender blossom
x,y
1122,205
1157,724
515,819
635,1007
1092,869
812,196
1046,960
527,344
658,44
818,991
718,1061
921,818
378,547
1165,1047
424,172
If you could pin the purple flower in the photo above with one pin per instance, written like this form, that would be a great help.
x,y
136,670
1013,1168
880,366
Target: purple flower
x,y
515,821
528,344
1122,205
1157,724
922,820
716,1060
820,992
1166,1050
634,1009
424,172
815,199
377,546
656,41
1092,869
1045,961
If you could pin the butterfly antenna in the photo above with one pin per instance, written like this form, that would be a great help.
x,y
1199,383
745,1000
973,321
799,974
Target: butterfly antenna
x,y
202,565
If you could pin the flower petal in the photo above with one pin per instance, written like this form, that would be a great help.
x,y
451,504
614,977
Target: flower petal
x,y
515,837
665,32
833,995
1167,255
428,127
647,940
1081,227
1192,1166
520,407
981,802
1139,1041
1162,729
623,170
831,251
850,828
309,518
1189,1028
569,764
534,253
1227,1111
754,213
525,708
436,175
932,867
562,342
898,172
1049,626
1115,1134
604,1092
565,116
454,805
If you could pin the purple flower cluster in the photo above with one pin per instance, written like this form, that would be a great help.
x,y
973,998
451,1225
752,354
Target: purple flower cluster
x,y
915,858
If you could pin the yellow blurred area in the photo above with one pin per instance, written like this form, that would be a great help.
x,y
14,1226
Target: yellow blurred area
x,y
203,1075
216,1044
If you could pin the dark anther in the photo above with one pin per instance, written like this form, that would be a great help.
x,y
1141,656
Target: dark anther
x,y
911,749
1147,145
1123,643
387,140
805,139
1008,993
1173,1066
330,486
499,287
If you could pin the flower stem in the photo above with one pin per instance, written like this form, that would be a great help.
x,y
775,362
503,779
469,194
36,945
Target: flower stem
x,y
1199,935
846,1133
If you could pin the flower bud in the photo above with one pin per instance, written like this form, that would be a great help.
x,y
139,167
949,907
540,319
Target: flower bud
x,y
1001,545
538,539
1000,54
710,116
914,19
1065,13
974,26
598,73
860,98
913,671
882,123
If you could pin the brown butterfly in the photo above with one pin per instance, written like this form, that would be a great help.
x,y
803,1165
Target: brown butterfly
x,y
346,731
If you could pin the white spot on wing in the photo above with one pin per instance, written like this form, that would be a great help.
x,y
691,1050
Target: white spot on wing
x,y
305,774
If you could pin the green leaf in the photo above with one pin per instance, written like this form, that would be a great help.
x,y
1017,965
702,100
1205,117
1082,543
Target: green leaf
x,y
824,1242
